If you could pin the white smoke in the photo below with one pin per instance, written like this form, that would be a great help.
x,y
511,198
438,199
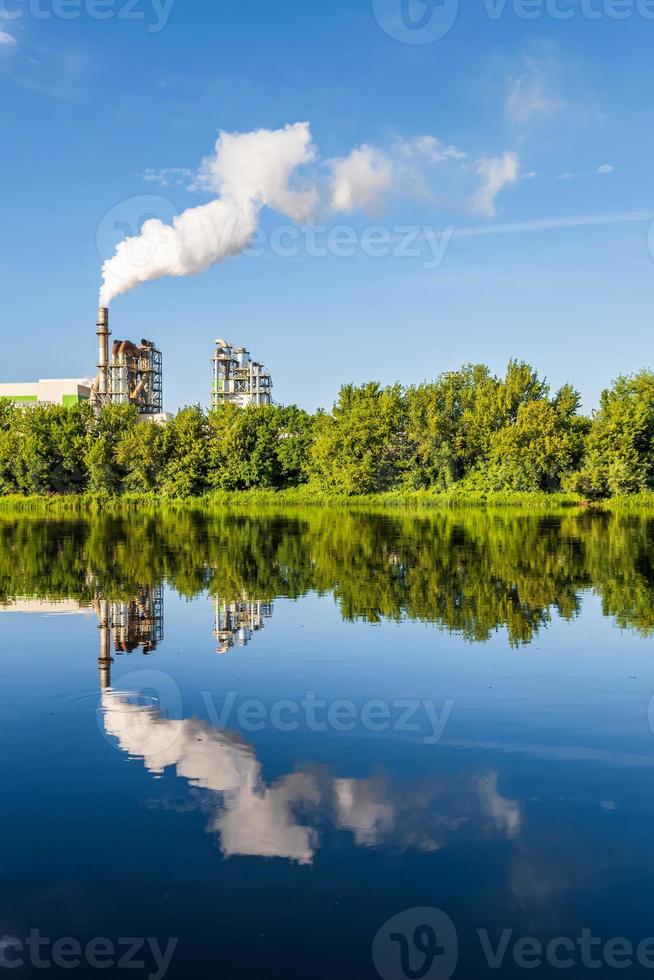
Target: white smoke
x,y
248,171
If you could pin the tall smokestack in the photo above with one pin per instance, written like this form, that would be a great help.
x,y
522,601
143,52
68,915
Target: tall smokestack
x,y
103,334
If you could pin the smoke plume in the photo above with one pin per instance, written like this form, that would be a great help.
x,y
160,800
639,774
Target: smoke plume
x,y
248,171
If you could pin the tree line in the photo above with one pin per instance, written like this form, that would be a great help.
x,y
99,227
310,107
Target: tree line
x,y
468,430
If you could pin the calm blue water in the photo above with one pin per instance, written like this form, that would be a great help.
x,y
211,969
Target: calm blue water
x,y
337,722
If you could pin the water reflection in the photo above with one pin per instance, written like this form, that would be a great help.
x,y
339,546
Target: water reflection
x,y
530,814
282,818
471,573
236,621
137,624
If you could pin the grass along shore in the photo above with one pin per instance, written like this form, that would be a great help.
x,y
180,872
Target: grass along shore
x,y
308,497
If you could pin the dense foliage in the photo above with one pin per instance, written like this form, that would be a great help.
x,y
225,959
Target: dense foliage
x,y
468,429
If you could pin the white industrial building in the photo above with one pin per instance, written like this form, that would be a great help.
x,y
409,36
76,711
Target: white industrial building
x,y
237,379
67,391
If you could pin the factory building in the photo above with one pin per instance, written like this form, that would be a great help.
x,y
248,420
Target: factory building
x,y
237,379
132,375
71,391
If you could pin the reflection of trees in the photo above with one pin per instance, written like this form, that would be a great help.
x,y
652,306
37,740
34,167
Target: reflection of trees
x,y
470,572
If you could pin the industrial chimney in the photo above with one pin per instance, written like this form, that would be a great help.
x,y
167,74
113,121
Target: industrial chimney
x,y
103,334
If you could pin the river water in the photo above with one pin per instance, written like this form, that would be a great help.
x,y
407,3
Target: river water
x,y
327,743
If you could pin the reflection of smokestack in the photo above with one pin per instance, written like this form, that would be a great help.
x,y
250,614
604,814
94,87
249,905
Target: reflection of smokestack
x,y
103,334
104,660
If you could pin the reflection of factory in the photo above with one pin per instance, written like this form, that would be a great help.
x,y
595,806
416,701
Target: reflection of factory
x,y
133,624
138,624
237,622
124,626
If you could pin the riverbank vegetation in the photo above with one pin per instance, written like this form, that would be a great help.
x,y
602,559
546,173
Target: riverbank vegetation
x,y
468,436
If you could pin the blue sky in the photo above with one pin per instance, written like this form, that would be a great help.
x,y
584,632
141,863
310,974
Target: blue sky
x,y
106,121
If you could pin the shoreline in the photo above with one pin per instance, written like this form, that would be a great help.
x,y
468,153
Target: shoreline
x,y
305,498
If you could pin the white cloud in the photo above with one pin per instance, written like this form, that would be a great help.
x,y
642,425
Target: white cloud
x,y
531,93
429,148
360,180
605,168
496,173
258,167
7,40
168,177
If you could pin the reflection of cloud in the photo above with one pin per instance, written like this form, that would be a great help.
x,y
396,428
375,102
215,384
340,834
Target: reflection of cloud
x,y
362,807
254,818
261,820
505,813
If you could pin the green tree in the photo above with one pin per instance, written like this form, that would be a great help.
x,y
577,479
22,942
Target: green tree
x,y
243,447
8,448
545,443
362,447
294,438
453,421
619,456
106,474
140,454
185,450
